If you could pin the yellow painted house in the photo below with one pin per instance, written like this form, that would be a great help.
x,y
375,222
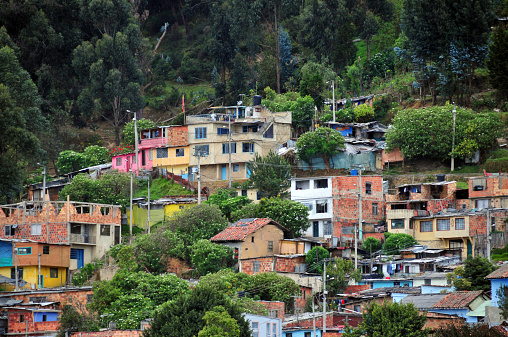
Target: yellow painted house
x,y
160,210
54,262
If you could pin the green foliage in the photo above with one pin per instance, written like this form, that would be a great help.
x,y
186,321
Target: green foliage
x,y
426,133
227,202
281,288
314,76
475,270
152,250
270,175
128,130
86,273
467,330
209,257
324,143
168,320
219,323
160,188
497,63
390,320
397,241
302,107
131,297
96,155
339,272
364,113
73,319
458,280
371,244
496,165
72,161
502,300
111,188
314,259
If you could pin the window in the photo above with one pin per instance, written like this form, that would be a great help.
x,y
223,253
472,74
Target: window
x,y
25,251
44,318
426,226
36,229
309,205
150,154
222,131
250,128
396,283
270,246
181,207
375,209
162,152
75,229
269,132
89,298
236,167
398,224
482,203
460,224
119,161
357,308
37,299
327,227
105,230
308,334
443,224
244,193
10,230
321,206
45,249
255,325
200,133
53,272
180,152
289,334
248,147
255,266
456,244
201,150
134,159
268,326
274,329
20,273
225,148
21,318
302,185
252,239
368,188
321,183
428,281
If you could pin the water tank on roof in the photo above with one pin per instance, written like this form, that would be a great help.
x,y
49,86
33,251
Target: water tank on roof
x,y
256,100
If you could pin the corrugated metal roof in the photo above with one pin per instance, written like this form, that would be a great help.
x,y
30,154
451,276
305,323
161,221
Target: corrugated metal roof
x,y
423,301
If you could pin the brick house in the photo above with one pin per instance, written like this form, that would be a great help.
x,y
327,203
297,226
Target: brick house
x,y
254,238
346,211
90,229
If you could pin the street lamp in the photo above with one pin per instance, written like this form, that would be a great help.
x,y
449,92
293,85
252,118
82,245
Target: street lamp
x,y
333,98
452,168
43,181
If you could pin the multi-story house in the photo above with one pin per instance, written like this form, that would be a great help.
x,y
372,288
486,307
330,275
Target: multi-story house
x,y
488,192
413,200
347,191
316,194
31,259
90,229
234,135
163,147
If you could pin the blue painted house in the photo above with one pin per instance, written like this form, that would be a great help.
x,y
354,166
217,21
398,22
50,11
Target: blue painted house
x,y
498,278
263,326
389,282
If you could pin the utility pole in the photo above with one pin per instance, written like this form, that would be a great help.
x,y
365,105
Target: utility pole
x,y
198,154
313,316
452,168
130,224
324,296
39,276
44,184
333,99
360,220
488,233
136,153
229,149
16,265
149,177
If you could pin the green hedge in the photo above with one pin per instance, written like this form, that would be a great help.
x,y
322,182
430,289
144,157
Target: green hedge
x,y
496,165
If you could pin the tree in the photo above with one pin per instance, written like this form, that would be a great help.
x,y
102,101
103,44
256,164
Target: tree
x,y
324,143
292,215
270,175
456,277
107,67
313,80
467,330
219,323
371,244
502,300
151,251
314,259
128,130
427,133
183,317
397,241
209,257
475,270
364,113
227,202
282,288
73,319
96,155
390,320
340,271
497,63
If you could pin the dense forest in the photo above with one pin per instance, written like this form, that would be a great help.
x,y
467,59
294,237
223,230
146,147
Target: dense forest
x,y
70,65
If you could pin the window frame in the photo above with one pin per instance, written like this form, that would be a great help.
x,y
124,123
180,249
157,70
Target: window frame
x,y
36,229
375,208
393,226
368,188
270,246
463,224
250,148
162,153
321,206
426,223
180,152
200,132
45,250
439,223
24,250
225,148
53,272
204,150
105,230
255,266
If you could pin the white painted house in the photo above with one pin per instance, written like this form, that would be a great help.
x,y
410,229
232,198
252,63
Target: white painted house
x,y
263,326
315,193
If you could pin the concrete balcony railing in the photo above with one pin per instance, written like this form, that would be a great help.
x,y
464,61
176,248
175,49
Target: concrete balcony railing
x,y
80,238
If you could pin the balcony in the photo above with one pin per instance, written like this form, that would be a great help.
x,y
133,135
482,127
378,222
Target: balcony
x,y
81,238
405,213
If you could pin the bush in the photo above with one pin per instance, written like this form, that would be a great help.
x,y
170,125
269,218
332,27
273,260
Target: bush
x,y
86,273
496,165
364,113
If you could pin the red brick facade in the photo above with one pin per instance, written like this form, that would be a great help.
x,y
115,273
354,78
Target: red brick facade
x,y
332,320
276,263
110,333
265,265
345,201
27,325
278,307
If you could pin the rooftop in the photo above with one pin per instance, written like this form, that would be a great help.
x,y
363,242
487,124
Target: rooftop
x,y
502,272
242,228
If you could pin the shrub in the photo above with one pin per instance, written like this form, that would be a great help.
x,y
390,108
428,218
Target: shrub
x,y
497,165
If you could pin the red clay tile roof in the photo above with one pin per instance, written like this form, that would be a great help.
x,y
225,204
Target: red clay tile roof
x,y
457,299
502,272
242,228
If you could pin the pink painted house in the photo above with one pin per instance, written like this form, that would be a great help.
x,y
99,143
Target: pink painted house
x,y
155,144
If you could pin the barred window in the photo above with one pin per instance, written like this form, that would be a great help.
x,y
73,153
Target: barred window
x,y
200,133
426,226
119,161
162,152
202,150
327,227
443,224
398,224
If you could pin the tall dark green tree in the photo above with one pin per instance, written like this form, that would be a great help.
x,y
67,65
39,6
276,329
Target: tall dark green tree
x,y
475,270
270,175
497,62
